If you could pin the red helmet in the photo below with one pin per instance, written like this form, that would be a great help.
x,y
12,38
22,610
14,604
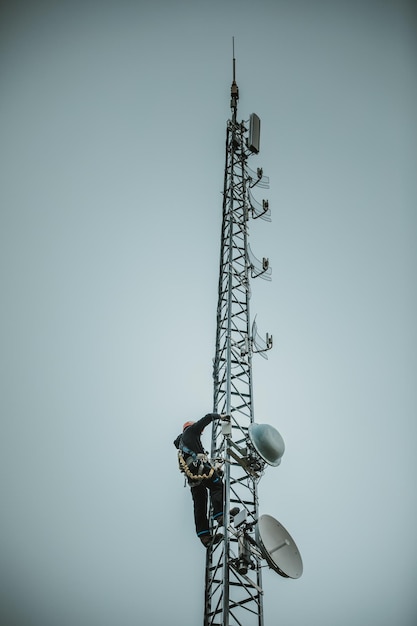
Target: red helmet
x,y
186,425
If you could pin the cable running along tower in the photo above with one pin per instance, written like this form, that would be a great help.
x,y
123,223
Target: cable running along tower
x,y
233,583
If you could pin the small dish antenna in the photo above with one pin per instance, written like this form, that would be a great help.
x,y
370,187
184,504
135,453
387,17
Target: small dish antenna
x,y
264,445
267,442
278,548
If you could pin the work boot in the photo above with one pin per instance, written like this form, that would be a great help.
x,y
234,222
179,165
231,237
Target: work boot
x,y
208,540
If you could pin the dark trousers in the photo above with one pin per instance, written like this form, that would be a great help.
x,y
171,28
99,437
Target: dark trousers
x,y
199,492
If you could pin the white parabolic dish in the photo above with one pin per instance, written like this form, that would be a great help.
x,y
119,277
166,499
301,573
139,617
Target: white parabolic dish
x,y
278,547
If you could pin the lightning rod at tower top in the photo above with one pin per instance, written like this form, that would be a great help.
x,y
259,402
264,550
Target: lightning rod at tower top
x,y
251,541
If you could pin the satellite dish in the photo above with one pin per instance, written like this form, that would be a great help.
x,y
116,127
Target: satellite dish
x,y
278,547
267,442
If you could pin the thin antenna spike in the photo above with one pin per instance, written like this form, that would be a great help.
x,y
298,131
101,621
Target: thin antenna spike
x,y
234,60
235,88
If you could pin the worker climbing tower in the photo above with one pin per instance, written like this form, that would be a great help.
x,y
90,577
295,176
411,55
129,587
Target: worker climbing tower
x,y
233,583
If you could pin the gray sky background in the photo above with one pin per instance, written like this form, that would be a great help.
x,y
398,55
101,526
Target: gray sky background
x,y
112,122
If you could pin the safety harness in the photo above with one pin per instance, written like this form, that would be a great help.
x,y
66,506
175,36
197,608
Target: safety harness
x,y
188,459
200,463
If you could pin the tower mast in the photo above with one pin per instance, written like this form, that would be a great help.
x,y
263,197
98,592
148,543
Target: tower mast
x,y
233,584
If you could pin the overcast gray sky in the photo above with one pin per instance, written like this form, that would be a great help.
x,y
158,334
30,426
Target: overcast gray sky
x,y
112,122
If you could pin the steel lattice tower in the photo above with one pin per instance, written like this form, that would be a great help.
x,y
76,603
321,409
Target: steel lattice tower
x,y
233,586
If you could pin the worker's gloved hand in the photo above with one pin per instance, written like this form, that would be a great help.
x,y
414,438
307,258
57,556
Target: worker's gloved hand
x,y
224,417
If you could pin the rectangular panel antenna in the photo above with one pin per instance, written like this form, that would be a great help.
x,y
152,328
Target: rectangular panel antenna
x,y
254,133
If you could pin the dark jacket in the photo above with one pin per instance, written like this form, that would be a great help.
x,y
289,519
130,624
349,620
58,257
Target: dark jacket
x,y
191,437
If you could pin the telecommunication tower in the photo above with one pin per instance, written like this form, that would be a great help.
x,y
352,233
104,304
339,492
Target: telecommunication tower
x,y
233,582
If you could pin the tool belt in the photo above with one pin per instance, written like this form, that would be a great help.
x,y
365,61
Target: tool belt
x,y
196,469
